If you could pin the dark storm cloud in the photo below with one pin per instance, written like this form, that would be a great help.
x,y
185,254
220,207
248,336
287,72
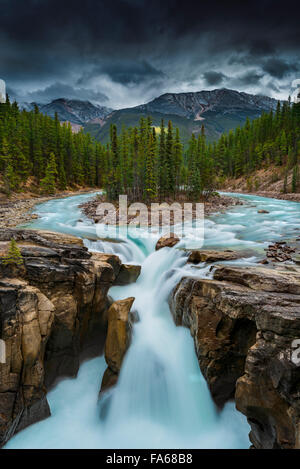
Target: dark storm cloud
x,y
138,49
125,72
250,78
213,78
60,90
279,68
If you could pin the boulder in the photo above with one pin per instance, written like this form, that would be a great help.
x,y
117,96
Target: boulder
x,y
196,256
167,241
244,322
128,274
262,211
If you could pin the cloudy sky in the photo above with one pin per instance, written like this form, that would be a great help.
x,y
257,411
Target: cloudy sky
x,y
122,53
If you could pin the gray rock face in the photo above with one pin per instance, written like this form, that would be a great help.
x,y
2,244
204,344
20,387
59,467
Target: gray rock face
x,y
72,110
194,105
244,322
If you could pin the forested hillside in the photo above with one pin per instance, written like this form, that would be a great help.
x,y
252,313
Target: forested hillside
x,y
271,141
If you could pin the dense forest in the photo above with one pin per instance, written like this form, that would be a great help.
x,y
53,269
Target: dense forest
x,y
145,162
271,140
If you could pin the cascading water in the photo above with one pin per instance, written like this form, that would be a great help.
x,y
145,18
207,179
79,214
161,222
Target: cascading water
x,y
161,399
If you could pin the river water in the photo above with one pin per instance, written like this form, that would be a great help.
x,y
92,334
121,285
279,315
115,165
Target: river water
x,y
161,399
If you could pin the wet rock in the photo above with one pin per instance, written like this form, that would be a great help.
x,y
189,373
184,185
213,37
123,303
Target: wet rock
x,y
263,261
244,322
197,256
117,340
262,211
118,333
280,252
128,274
109,380
167,241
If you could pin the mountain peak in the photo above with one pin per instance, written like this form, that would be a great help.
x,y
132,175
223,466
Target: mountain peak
x,y
193,104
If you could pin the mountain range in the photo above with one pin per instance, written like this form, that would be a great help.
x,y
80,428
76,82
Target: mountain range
x,y
219,111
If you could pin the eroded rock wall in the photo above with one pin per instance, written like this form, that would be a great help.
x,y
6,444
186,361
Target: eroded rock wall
x,y
53,308
244,322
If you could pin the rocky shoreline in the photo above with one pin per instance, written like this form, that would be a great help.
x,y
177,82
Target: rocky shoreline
x,y
18,209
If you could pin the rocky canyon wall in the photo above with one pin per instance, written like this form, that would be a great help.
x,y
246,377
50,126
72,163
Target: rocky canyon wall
x,y
53,312
244,323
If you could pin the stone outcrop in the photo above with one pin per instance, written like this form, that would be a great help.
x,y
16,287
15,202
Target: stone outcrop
x,y
53,311
117,340
167,241
129,273
202,255
244,322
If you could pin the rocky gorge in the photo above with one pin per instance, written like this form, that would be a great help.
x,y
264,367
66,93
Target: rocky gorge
x,y
243,315
54,312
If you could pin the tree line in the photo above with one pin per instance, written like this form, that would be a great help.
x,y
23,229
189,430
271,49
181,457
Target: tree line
x,y
145,162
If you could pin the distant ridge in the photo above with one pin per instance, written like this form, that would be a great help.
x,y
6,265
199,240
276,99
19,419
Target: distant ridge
x,y
192,105
218,110
72,110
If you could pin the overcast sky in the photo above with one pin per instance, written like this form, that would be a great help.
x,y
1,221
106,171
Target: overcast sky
x,y
122,53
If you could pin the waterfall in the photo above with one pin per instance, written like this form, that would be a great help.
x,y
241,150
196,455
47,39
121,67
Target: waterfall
x,y
161,399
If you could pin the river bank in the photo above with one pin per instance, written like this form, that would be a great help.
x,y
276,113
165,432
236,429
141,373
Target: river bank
x,y
17,210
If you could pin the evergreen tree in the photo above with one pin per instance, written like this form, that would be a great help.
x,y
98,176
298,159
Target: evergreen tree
x,y
150,191
48,183
295,179
14,255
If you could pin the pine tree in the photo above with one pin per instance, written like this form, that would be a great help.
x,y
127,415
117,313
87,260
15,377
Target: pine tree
x,y
285,184
295,179
48,183
150,190
14,255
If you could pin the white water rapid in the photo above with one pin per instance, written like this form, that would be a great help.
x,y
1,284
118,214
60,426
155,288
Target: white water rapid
x,y
161,399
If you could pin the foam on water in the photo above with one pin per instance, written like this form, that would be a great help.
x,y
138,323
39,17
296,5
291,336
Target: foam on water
x,y
161,399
